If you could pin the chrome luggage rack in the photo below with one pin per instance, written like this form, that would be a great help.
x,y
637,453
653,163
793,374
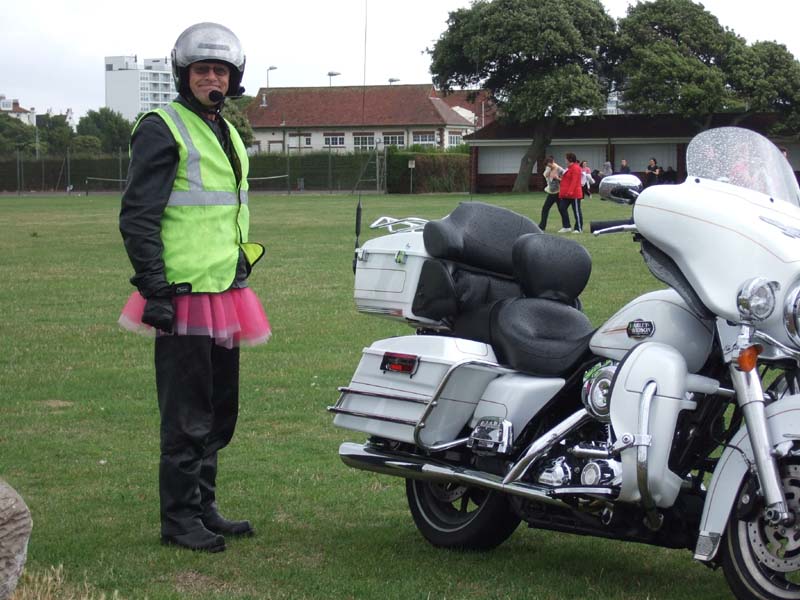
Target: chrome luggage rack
x,y
393,225
429,403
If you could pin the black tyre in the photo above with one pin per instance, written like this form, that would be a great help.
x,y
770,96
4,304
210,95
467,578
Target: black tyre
x,y
456,516
763,561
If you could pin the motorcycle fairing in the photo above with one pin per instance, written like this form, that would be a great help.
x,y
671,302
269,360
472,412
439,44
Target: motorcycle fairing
x,y
650,362
719,236
783,420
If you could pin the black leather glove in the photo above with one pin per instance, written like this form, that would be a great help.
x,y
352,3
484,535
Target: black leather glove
x,y
159,312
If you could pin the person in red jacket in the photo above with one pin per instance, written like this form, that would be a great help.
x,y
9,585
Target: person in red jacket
x,y
571,191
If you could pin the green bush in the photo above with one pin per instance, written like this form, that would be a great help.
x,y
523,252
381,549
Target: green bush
x,y
434,172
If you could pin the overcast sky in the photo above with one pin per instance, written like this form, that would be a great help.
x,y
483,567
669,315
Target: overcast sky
x,y
52,51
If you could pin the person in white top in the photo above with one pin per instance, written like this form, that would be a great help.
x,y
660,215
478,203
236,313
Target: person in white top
x,y
552,176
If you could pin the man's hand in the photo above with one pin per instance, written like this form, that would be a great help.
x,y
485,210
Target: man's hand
x,y
160,313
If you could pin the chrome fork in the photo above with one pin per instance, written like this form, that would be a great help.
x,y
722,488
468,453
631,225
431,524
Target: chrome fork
x,y
750,397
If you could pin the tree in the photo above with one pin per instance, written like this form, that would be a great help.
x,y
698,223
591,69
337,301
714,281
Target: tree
x,y
55,132
86,145
767,79
110,127
16,135
673,56
233,113
542,60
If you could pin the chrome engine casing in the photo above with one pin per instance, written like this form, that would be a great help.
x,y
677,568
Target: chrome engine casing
x,y
596,390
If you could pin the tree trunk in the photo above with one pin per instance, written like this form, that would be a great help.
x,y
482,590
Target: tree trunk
x,y
542,135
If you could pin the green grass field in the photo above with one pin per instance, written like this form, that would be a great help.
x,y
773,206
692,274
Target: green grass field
x,y
79,425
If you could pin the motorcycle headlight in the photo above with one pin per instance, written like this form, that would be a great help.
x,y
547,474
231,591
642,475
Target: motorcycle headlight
x,y
791,318
756,299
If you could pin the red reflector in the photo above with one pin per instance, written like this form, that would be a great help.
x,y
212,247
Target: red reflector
x,y
400,363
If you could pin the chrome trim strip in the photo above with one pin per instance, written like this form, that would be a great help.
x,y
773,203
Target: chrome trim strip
x,y
346,390
653,519
789,352
363,415
585,491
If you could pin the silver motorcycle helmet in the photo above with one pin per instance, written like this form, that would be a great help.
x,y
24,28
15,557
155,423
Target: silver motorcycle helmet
x,y
208,42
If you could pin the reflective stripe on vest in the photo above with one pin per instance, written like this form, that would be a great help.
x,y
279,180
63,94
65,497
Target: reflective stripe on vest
x,y
197,196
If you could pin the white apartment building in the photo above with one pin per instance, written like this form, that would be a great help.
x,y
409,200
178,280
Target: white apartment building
x,y
132,89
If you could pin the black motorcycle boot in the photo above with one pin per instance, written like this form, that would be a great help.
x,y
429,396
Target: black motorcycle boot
x,y
211,518
199,540
216,523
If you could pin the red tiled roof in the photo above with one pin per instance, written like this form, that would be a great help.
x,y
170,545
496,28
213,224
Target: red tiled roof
x,y
482,105
352,106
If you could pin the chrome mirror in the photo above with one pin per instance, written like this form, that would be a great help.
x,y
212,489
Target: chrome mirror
x,y
624,189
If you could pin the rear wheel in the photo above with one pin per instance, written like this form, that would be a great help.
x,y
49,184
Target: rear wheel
x,y
457,516
761,560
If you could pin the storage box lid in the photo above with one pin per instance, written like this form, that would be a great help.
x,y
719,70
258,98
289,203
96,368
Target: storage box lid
x,y
409,242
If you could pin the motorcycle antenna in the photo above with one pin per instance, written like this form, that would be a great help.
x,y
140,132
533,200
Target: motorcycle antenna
x,y
358,231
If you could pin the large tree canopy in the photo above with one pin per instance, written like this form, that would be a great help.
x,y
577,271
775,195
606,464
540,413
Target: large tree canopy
x,y
542,60
673,56
767,79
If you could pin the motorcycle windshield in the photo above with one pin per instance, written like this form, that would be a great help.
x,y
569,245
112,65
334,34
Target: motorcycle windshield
x,y
745,159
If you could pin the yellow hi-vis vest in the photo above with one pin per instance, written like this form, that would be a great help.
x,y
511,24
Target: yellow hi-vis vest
x,y
207,219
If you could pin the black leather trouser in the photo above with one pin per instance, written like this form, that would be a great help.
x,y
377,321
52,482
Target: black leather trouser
x,y
198,397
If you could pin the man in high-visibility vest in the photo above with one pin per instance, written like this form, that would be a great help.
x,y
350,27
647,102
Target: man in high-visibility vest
x,y
185,220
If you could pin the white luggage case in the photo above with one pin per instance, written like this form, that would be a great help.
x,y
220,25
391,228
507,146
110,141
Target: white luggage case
x,y
391,393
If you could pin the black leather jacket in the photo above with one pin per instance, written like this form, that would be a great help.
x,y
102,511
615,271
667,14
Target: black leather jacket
x,y
152,170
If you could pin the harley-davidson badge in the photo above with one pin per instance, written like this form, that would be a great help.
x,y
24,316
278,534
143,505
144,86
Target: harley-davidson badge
x,y
640,329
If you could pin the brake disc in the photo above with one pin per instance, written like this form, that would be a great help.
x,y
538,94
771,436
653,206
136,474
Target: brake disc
x,y
447,493
778,547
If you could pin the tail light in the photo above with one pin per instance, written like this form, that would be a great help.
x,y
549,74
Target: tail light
x,y
400,363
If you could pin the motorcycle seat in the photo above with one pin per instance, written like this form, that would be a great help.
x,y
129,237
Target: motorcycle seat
x,y
543,333
539,336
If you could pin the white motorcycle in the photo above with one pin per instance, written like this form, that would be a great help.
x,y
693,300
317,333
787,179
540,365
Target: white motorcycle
x,y
675,423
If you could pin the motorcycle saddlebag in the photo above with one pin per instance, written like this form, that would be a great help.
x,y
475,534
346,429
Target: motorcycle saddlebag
x,y
397,378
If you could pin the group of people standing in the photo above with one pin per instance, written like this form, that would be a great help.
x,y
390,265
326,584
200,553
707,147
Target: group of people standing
x,y
566,187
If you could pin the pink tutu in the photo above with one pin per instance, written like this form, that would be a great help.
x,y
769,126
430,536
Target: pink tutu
x,y
233,318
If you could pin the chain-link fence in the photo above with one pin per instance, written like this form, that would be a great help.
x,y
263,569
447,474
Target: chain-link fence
x,y
319,172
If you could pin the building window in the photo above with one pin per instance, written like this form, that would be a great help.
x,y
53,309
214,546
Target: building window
x,y
296,139
454,138
424,138
364,141
394,139
334,140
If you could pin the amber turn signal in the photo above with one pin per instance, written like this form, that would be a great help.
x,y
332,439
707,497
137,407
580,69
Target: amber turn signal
x,y
748,358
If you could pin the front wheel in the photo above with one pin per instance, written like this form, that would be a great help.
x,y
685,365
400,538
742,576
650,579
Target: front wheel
x,y
763,561
455,516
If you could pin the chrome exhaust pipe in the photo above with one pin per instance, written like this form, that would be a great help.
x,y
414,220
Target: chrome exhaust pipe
x,y
409,466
